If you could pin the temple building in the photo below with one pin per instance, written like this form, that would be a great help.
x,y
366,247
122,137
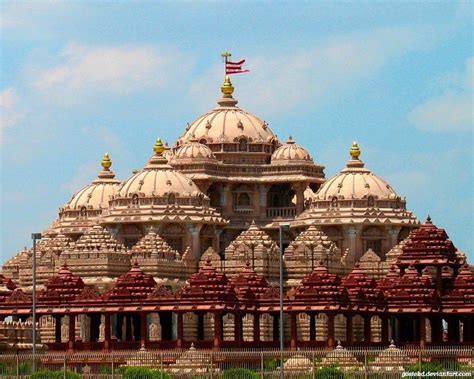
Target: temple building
x,y
187,251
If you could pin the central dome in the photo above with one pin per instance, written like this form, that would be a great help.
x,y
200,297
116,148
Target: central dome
x,y
227,123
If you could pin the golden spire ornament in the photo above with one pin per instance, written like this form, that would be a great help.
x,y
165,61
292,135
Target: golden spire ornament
x,y
106,162
158,148
355,150
227,88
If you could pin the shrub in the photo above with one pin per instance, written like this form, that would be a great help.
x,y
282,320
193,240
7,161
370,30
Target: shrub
x,y
239,373
270,364
329,372
143,373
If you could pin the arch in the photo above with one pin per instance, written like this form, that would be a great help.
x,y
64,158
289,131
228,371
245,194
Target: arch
x,y
370,201
243,199
243,144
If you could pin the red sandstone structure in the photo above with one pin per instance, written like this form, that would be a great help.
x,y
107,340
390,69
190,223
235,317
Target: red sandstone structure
x,y
184,251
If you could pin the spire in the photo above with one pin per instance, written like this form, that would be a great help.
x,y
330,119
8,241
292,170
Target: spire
x,y
158,160
227,90
355,163
355,150
106,163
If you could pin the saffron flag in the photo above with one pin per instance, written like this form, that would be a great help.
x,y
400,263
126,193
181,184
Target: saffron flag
x,y
234,67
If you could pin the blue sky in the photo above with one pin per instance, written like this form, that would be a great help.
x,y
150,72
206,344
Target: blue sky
x,y
80,78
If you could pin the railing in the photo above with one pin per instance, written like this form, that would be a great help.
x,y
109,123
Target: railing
x,y
340,363
243,210
284,212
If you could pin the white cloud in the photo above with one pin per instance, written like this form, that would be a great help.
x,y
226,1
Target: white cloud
x,y
93,71
10,115
448,112
309,77
451,111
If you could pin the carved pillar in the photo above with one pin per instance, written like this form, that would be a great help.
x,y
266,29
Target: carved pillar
x,y
392,239
179,337
195,240
217,331
238,329
256,328
294,334
312,327
350,241
57,328
143,330
226,199
216,241
262,194
349,330
453,330
72,332
330,341
299,191
367,329
128,327
384,336
107,331
422,331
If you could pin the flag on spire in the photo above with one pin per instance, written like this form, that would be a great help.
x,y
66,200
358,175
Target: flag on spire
x,y
233,67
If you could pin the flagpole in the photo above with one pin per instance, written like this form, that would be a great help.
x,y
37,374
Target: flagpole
x,y
226,56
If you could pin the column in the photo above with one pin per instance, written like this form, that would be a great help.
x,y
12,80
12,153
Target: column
x,y
392,238
453,330
262,193
226,199
256,328
436,330
57,328
128,327
299,191
143,330
238,328
350,240
195,240
107,331
217,331
72,332
349,330
422,331
330,341
294,333
385,322
216,241
179,337
367,329
312,327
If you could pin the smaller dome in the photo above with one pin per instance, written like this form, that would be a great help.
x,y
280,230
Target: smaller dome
x,y
96,195
356,182
158,179
195,151
291,153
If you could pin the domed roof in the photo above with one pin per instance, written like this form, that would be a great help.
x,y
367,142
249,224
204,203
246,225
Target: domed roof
x,y
356,182
158,179
96,195
228,123
195,151
291,153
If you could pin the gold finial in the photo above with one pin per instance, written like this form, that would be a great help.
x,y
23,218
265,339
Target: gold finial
x,y
106,162
355,150
227,88
226,55
158,148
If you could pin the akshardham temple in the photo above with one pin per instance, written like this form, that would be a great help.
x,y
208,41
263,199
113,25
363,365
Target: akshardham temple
x,y
186,251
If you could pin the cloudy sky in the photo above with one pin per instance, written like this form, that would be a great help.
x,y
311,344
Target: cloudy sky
x,y
82,78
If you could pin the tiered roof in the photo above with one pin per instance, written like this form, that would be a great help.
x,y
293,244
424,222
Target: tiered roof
x,y
255,236
208,285
97,239
411,292
321,290
135,285
63,287
461,296
153,246
428,246
362,289
249,285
